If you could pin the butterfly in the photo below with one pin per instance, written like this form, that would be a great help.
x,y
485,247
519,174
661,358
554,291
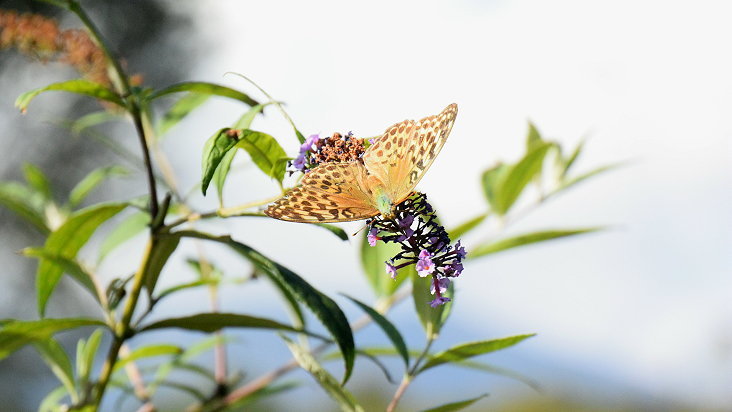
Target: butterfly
x,y
383,177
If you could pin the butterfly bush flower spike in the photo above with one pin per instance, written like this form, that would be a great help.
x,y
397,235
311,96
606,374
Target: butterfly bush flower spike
x,y
371,237
423,242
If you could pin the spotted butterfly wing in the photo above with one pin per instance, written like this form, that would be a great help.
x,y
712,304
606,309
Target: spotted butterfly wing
x,y
393,165
332,192
407,149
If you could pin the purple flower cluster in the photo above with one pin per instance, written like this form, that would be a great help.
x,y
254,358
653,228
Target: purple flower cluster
x,y
307,146
424,243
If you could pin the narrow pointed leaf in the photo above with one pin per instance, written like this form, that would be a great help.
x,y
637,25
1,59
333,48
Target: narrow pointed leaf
x,y
86,355
492,180
38,181
91,181
216,147
211,322
259,394
93,119
391,331
16,334
341,395
78,86
69,266
162,248
471,349
456,406
24,203
533,137
51,402
572,158
520,174
205,88
527,239
180,109
467,226
324,308
126,229
578,179
56,358
148,352
65,242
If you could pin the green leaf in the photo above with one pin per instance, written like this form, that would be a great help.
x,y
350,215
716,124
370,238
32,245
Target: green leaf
x,y
78,86
180,109
566,184
51,402
91,181
391,331
431,318
162,248
259,394
211,322
93,119
70,266
569,161
345,399
515,180
342,235
526,239
55,357
245,121
265,152
124,231
148,352
205,88
374,267
467,226
214,151
221,173
533,137
85,354
495,370
183,286
16,334
65,242
456,406
324,308
38,181
492,180
24,203
471,349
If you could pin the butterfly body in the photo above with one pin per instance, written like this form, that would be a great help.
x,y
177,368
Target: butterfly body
x,y
385,175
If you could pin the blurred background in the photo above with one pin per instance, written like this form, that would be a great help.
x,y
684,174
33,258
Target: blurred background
x,y
636,317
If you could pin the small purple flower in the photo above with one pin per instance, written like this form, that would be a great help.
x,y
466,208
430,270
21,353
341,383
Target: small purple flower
x,y
443,283
313,139
371,237
440,300
454,269
299,162
425,266
460,250
391,270
406,226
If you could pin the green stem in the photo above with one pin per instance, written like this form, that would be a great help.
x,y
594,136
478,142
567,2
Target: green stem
x,y
122,329
409,376
123,86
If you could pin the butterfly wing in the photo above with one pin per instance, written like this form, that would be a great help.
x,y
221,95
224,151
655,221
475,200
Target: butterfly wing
x,y
332,192
402,155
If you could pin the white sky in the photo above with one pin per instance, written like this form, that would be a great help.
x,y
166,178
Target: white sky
x,y
648,301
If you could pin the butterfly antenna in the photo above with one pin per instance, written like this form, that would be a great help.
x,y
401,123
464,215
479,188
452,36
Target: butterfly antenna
x,y
359,230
